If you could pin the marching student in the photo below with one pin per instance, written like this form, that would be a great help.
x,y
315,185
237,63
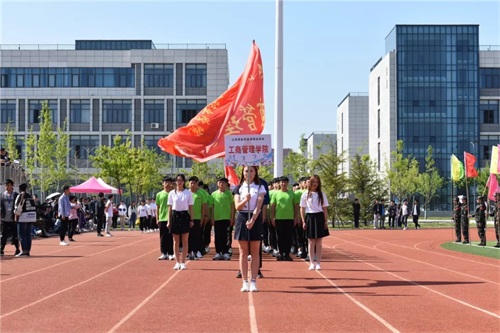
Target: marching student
x,y
223,217
180,218
199,208
284,208
154,217
132,216
73,216
166,241
109,215
314,215
248,200
63,211
142,211
9,228
208,222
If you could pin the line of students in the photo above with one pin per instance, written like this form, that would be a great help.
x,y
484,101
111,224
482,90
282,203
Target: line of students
x,y
183,214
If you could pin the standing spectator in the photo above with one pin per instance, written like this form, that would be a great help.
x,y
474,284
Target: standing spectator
x,y
392,210
8,223
284,209
223,217
4,156
496,217
314,215
404,214
63,212
248,200
480,215
122,213
148,217
132,216
114,225
180,220
465,220
154,217
195,238
381,206
26,219
109,214
456,218
416,213
376,214
73,217
100,208
143,216
166,240
356,209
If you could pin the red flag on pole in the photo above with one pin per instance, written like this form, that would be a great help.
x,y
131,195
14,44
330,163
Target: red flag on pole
x,y
231,175
239,110
470,160
493,187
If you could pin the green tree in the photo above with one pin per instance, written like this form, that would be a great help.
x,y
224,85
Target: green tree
x,y
296,165
11,143
403,174
333,183
61,152
45,150
30,158
366,184
430,181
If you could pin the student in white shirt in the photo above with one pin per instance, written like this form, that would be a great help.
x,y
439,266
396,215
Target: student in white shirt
x,y
248,200
180,212
109,214
314,215
122,213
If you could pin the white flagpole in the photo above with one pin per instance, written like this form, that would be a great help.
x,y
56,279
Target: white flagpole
x,y
278,92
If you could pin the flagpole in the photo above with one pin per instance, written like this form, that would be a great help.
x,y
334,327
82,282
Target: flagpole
x,y
278,92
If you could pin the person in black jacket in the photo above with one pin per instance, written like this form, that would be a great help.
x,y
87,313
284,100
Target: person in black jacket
x,y
9,228
356,209
100,215
415,212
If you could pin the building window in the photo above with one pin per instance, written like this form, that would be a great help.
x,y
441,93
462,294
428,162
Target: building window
x,y
378,124
79,111
489,112
187,109
151,141
154,111
7,111
116,111
196,75
489,78
378,90
81,148
159,75
35,110
489,117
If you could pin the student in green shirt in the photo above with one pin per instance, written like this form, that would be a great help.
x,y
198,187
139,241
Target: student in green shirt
x,y
199,207
207,220
166,240
284,208
223,217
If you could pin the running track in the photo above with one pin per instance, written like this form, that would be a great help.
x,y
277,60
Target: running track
x,y
371,281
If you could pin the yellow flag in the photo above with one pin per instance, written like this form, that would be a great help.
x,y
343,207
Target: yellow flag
x,y
457,169
494,160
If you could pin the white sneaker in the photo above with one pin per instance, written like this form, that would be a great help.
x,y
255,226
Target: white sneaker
x,y
311,267
226,256
318,267
108,234
249,258
183,267
253,286
171,257
177,266
207,249
245,287
63,243
199,255
405,228
217,257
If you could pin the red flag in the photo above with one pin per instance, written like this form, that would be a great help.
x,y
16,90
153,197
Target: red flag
x,y
231,175
239,110
493,187
470,160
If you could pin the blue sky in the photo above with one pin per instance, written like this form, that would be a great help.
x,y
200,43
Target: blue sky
x,y
329,46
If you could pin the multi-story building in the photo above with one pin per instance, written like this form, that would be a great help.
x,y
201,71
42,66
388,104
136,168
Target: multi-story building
x,y
352,128
434,87
102,88
318,143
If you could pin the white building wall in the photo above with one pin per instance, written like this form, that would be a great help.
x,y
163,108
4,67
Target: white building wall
x,y
382,142
320,143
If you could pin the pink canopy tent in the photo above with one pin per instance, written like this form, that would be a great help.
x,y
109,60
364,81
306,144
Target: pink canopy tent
x,y
93,185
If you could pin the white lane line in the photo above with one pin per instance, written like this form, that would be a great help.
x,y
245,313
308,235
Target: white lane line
x,y
146,300
68,261
75,285
361,305
425,287
253,317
